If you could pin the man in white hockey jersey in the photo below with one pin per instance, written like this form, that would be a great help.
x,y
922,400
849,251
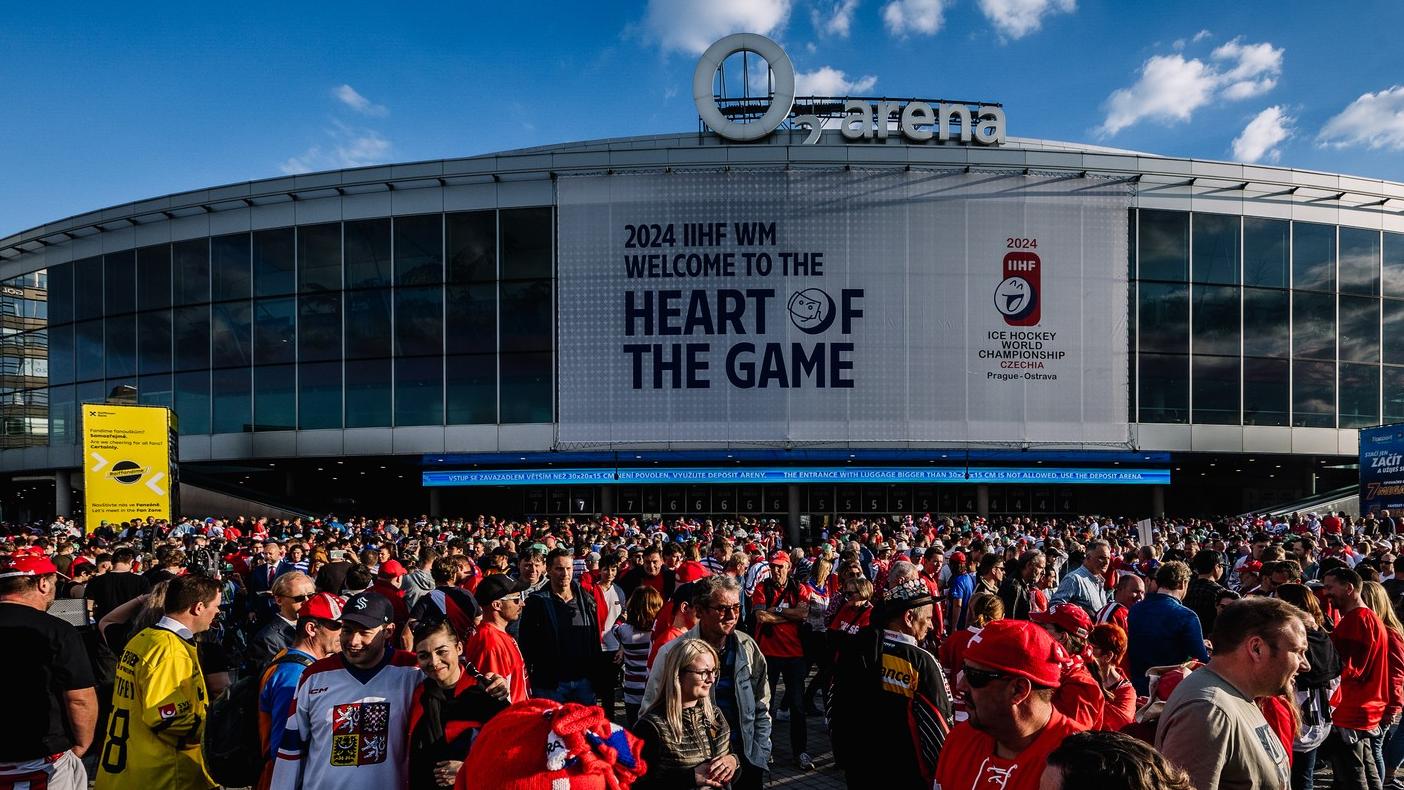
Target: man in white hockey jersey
x,y
348,726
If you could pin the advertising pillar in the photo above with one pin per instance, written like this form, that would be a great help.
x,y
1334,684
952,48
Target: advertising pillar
x,y
129,463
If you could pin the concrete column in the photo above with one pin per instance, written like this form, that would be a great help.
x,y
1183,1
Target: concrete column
x,y
604,498
1158,501
982,500
792,494
63,493
435,508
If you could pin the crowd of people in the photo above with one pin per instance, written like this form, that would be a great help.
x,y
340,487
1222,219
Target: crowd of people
x,y
941,652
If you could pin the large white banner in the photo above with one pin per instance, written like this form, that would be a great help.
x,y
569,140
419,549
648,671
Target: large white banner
x,y
834,306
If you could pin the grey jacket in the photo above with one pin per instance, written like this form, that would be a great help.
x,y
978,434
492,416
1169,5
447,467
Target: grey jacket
x,y
752,693
416,584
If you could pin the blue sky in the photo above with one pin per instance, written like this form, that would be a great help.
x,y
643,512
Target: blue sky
x,y
107,103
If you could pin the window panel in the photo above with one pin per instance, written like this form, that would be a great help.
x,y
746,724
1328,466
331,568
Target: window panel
x,y
472,246
1360,329
419,391
1314,325
471,313
60,294
1216,322
274,262
275,400
1164,317
63,416
1164,237
119,282
190,272
1265,315
419,249
1360,261
1266,391
156,390
1393,331
1163,391
368,393
526,243
526,388
472,389
154,277
231,333
1215,248
1393,263
1393,395
1266,252
230,273
119,346
1313,257
87,289
154,342
319,257
526,315
319,395
1360,395
275,331
192,402
368,253
319,327
1313,394
61,370
88,340
419,321
191,328
368,324
1216,390
230,397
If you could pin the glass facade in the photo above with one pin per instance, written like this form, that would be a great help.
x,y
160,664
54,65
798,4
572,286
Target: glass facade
x,y
1254,321
433,319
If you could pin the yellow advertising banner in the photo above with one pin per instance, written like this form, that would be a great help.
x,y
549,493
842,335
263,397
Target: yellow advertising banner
x,y
127,463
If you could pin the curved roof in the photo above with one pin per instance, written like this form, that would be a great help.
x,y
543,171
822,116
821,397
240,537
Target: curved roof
x,y
24,250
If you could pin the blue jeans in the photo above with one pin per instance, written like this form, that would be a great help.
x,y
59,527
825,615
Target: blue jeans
x,y
1393,756
1304,769
569,691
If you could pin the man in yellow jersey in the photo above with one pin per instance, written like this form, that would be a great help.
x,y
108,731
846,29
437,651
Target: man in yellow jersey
x,y
159,698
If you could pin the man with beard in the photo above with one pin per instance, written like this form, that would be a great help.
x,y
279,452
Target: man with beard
x,y
1211,725
1010,671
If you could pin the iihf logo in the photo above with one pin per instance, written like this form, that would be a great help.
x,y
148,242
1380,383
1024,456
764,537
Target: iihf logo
x,y
1017,297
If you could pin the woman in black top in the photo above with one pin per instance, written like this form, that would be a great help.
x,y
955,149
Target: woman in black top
x,y
449,708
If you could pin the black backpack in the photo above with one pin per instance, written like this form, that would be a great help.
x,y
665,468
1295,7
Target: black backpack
x,y
232,745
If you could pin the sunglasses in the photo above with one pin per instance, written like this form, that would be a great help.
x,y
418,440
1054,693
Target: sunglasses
x,y
734,609
298,598
979,678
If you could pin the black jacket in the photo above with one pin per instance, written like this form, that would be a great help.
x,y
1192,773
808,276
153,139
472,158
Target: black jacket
x,y
552,648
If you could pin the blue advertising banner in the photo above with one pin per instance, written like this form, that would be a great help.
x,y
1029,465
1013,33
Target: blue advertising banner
x,y
1381,468
843,474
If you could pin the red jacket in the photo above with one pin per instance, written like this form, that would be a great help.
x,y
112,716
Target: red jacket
x,y
1395,701
1363,644
1080,696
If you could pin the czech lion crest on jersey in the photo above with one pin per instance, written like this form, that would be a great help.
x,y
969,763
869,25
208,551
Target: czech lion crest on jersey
x,y
360,733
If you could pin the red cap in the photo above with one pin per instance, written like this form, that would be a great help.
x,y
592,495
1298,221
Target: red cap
x,y
27,563
957,557
1253,566
391,569
780,557
1018,647
1068,616
323,606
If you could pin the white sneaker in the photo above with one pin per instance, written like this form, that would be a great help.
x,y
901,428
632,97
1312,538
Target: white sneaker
x,y
805,763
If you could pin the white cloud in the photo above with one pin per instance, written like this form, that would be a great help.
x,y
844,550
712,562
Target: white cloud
x,y
1375,120
345,146
1171,87
834,18
352,98
1254,71
1200,36
904,17
690,26
1018,18
1259,139
829,81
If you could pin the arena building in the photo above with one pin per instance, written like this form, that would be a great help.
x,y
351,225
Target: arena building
x,y
834,305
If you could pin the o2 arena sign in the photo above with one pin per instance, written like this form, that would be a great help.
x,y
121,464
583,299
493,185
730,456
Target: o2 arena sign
x,y
918,121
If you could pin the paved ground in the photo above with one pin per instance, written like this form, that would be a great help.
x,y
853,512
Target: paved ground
x,y
784,773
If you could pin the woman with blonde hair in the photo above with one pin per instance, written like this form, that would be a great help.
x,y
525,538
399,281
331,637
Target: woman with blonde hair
x,y
1388,750
687,743
985,608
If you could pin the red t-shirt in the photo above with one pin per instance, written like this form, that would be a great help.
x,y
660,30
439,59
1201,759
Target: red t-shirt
x,y
660,639
1080,696
493,650
952,651
780,640
1279,717
968,760
1363,644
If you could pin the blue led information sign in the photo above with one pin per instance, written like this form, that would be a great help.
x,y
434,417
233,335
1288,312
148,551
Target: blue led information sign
x,y
1381,468
840,474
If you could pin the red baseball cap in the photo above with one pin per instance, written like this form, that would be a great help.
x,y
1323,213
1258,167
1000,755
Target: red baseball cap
x,y
27,563
1252,566
392,569
1018,647
780,557
323,606
1068,616
957,557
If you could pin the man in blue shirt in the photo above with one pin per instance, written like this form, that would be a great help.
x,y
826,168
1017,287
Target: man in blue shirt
x,y
1161,630
318,636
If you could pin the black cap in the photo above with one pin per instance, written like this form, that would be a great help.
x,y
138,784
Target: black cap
x,y
367,610
496,587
